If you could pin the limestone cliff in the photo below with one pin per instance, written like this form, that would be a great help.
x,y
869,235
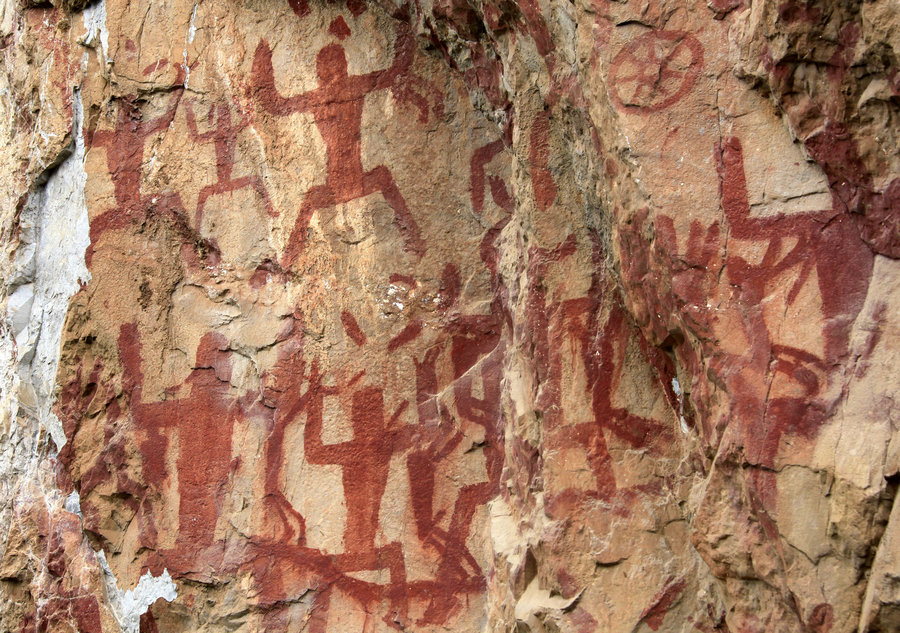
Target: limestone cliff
x,y
477,315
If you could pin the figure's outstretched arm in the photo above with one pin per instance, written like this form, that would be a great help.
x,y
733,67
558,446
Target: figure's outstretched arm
x,y
404,47
263,88
192,124
734,195
162,122
316,451
98,138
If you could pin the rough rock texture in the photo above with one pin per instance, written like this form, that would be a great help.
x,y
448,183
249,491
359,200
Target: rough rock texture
x,y
494,315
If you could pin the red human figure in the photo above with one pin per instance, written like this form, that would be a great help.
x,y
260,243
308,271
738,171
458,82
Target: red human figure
x,y
125,146
365,461
203,422
223,133
281,391
827,241
474,347
458,572
597,347
337,107
124,158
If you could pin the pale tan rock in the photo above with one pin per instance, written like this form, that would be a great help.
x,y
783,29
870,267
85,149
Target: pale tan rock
x,y
533,316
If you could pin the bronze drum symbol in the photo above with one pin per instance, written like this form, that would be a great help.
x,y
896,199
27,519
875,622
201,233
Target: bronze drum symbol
x,y
654,71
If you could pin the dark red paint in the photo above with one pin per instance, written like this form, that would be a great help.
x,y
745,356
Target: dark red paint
x,y
124,159
223,133
656,611
336,106
299,7
723,7
539,155
499,191
339,28
654,71
351,327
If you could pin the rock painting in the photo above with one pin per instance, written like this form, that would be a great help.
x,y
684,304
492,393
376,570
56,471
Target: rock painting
x,y
654,71
337,106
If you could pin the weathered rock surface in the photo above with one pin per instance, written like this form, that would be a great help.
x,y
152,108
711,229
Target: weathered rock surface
x,y
458,316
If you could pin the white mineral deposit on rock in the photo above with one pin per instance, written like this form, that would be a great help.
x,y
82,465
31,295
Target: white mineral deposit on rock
x,y
129,605
49,268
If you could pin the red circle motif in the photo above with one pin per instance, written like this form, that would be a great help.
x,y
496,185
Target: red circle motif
x,y
654,71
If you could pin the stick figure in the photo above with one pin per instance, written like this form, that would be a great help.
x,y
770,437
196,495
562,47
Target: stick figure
x,y
224,134
827,243
125,146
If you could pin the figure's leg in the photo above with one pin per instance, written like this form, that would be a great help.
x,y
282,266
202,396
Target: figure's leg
x,y
318,620
318,197
397,615
205,193
260,188
589,437
388,557
380,179
420,469
468,501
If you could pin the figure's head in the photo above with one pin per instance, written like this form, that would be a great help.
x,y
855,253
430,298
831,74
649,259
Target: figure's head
x,y
331,63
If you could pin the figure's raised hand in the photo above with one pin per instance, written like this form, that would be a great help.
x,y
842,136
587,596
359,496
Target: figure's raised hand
x,y
404,48
262,85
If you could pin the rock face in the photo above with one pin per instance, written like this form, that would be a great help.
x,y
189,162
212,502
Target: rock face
x,y
457,316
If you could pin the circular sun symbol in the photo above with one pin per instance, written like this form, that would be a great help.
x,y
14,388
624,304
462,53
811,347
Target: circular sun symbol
x,y
654,71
